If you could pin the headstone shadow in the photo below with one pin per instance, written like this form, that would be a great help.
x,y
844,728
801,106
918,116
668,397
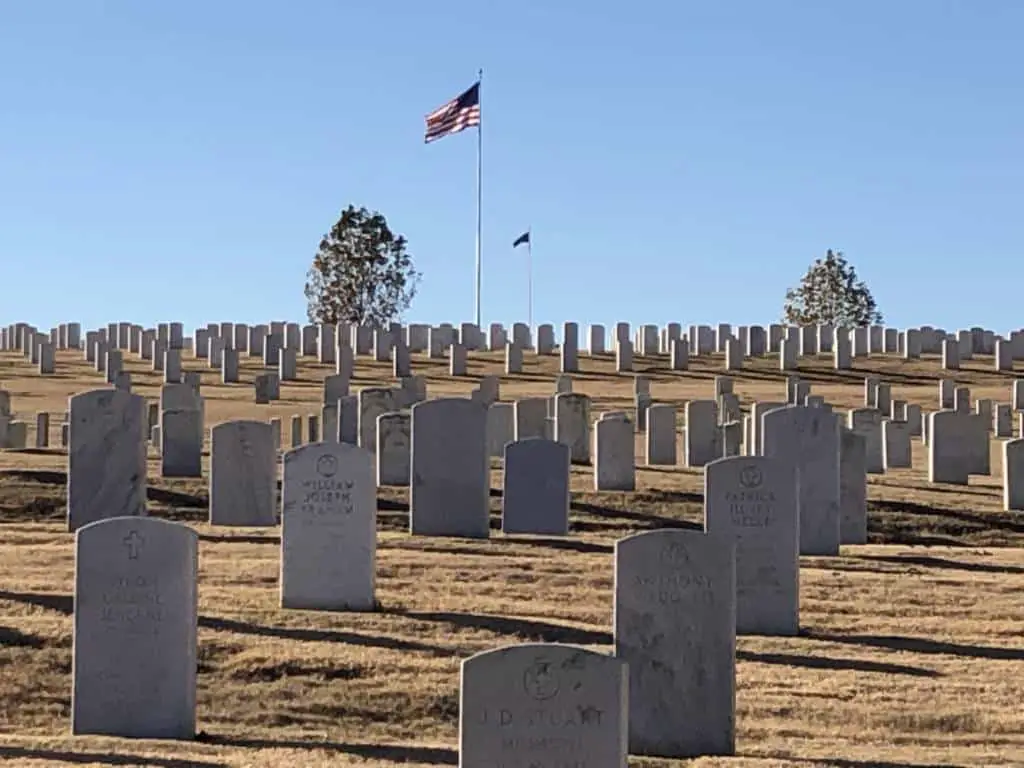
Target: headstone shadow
x,y
923,646
305,634
828,662
531,629
61,603
390,752
102,758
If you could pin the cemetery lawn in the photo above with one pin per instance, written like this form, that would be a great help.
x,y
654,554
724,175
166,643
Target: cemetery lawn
x,y
911,651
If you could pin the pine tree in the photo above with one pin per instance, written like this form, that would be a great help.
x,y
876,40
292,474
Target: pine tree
x,y
831,293
361,272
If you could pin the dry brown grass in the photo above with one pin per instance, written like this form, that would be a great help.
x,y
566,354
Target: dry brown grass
x,y
911,654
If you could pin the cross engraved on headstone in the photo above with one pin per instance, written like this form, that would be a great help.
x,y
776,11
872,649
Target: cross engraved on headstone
x,y
133,543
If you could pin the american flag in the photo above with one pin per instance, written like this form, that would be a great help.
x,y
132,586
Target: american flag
x,y
457,115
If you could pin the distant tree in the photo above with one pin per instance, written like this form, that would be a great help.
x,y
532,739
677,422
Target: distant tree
x,y
361,272
831,293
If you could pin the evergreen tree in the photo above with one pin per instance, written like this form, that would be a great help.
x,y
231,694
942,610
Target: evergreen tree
x,y
361,272
831,293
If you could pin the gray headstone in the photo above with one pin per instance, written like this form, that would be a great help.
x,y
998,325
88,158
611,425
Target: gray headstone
x,y
181,443
243,474
328,528
572,424
675,626
106,456
535,498
393,448
853,488
1013,475
373,401
543,706
134,652
809,438
661,435
949,445
450,469
500,428
702,439
614,454
752,501
531,414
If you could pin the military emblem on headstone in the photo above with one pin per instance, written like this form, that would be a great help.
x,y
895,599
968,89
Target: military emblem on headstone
x,y
326,466
751,477
540,680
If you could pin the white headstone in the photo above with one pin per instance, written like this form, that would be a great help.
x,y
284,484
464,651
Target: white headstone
x,y
543,706
134,665
675,626
752,500
106,456
243,474
535,497
450,469
328,528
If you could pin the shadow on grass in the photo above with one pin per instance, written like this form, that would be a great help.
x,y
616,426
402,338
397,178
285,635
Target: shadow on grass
x,y
304,634
43,476
530,629
824,662
661,521
838,762
64,604
401,753
927,561
921,645
568,545
14,638
102,758
171,498
245,538
999,520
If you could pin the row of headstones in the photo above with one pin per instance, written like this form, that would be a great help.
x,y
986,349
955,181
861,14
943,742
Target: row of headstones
x,y
674,590
447,439
323,341
311,339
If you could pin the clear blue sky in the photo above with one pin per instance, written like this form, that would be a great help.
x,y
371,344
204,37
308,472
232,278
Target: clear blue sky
x,y
676,160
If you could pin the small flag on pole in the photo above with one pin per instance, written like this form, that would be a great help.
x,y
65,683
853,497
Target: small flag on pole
x,y
523,238
457,115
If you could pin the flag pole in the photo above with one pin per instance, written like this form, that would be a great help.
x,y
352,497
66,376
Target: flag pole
x,y
479,188
529,275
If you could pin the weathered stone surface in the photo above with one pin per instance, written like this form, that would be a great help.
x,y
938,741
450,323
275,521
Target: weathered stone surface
x,y
181,443
949,438
517,704
1013,475
675,626
500,428
572,425
394,443
702,441
535,498
373,401
328,528
134,668
243,474
661,435
450,469
614,455
853,487
531,415
752,501
106,456
809,438
867,422
896,444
